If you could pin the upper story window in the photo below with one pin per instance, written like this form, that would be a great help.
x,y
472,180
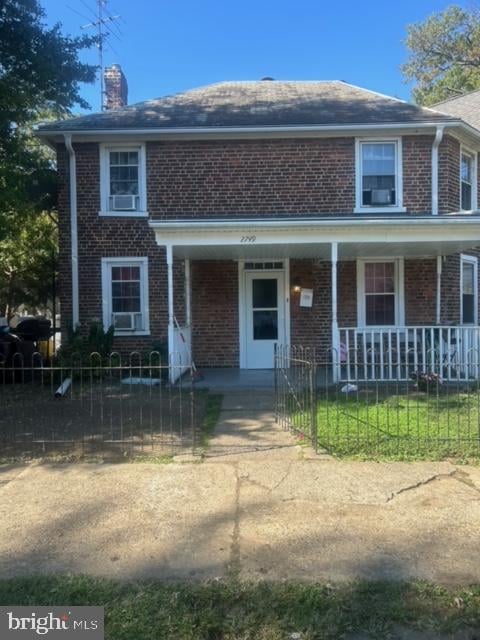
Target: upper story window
x,y
468,182
123,180
379,175
125,295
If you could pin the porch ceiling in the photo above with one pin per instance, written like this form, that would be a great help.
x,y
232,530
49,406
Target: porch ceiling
x,y
321,251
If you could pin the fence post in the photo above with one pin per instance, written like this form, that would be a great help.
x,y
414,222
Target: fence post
x,y
275,379
313,403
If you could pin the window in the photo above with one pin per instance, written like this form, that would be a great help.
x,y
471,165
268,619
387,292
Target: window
x,y
125,295
380,292
468,286
122,180
467,181
379,183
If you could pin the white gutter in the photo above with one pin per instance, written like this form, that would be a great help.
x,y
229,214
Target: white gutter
x,y
436,143
168,131
73,229
409,221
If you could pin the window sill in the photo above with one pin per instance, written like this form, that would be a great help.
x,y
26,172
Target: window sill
x,y
130,334
124,214
380,210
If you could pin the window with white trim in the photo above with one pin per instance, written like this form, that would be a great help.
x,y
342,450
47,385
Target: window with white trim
x,y
125,295
122,180
379,175
380,292
467,181
469,290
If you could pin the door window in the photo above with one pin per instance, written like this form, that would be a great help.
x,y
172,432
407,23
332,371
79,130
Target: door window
x,y
265,308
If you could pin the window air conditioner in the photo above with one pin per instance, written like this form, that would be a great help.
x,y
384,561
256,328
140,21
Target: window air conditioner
x,y
124,203
381,196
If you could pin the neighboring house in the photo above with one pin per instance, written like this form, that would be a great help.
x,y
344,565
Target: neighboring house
x,y
231,206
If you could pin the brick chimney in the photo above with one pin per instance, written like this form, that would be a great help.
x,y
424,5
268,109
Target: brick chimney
x,y
116,87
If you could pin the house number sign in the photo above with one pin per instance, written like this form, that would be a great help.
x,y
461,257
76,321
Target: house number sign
x,y
248,239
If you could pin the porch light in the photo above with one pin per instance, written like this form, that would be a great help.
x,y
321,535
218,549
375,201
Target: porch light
x,y
296,285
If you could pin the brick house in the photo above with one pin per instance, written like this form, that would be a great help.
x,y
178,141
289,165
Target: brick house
x,y
256,213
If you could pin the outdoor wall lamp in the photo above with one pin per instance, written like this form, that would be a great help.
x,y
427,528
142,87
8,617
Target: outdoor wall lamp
x,y
296,285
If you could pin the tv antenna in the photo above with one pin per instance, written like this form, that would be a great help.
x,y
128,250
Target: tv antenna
x,y
102,22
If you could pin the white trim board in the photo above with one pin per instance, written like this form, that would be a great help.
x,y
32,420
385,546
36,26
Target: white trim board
x,y
399,292
242,310
398,207
471,260
104,150
107,263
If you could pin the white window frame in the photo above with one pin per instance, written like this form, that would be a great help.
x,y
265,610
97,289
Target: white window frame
x,y
105,150
472,154
399,293
398,207
107,264
470,260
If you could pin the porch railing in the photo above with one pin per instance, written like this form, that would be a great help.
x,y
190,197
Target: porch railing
x,y
395,354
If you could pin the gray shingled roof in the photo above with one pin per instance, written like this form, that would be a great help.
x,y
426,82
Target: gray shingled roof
x,y
261,103
466,107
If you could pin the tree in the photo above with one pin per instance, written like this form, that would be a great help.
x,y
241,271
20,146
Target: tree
x,y
40,76
27,262
444,58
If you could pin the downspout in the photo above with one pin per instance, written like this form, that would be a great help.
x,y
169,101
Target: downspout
x,y
73,228
436,144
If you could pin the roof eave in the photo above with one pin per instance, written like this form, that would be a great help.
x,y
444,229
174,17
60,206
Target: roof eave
x,y
154,132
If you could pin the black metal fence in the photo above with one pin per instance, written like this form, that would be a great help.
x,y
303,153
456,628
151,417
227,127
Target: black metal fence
x,y
422,416
106,407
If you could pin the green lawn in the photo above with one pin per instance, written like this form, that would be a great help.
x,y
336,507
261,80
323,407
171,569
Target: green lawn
x,y
264,611
389,422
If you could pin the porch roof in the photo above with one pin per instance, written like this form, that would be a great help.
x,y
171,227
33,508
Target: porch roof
x,y
312,237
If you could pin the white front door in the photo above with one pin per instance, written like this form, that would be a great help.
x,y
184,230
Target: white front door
x,y
265,317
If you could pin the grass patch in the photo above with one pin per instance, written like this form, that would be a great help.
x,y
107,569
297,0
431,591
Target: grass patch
x,y
261,611
212,414
384,422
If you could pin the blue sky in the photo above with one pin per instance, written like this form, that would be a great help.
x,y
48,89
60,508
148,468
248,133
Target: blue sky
x,y
172,45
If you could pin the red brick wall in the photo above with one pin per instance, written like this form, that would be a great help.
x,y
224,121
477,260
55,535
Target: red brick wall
x,y
417,173
449,175
310,326
215,340
420,281
253,177
101,237
246,178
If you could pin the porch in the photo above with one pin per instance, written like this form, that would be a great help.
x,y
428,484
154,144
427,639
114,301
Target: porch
x,y
324,292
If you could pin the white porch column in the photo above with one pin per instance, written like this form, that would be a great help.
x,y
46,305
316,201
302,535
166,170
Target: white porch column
x,y
188,294
171,324
335,336
438,315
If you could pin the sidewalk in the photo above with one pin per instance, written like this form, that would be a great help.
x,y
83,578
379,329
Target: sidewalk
x,y
255,508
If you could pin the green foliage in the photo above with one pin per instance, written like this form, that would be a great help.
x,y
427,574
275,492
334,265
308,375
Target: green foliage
x,y
233,610
79,347
40,76
28,251
444,55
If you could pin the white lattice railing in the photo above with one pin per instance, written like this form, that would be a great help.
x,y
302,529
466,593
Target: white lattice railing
x,y
397,353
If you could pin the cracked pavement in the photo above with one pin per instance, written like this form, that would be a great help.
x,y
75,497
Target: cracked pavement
x,y
256,508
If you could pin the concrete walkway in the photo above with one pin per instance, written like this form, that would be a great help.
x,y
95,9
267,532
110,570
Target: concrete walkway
x,y
255,508
247,426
